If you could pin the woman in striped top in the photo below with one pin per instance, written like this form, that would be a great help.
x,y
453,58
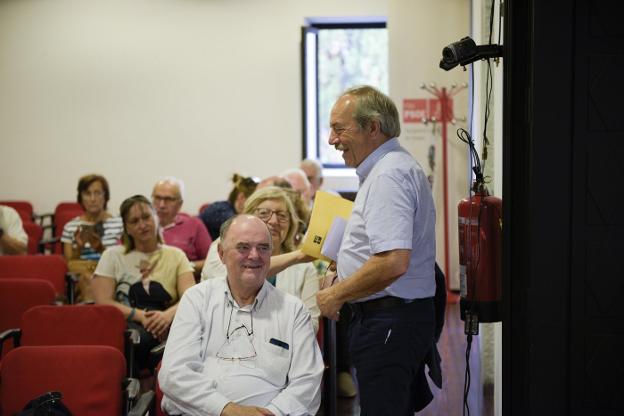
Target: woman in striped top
x,y
86,236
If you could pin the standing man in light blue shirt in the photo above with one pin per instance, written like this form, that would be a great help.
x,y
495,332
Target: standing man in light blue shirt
x,y
386,261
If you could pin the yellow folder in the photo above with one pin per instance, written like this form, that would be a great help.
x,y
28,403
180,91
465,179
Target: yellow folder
x,y
326,207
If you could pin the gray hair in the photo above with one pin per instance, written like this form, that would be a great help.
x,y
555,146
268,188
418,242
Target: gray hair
x,y
173,181
312,163
290,173
374,105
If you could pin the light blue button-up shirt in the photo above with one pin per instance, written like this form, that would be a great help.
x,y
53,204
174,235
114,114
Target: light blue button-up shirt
x,y
393,210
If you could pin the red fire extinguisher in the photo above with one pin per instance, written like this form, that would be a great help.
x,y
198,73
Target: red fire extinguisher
x,y
480,243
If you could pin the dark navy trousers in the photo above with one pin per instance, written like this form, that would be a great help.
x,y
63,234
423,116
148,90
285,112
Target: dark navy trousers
x,y
387,349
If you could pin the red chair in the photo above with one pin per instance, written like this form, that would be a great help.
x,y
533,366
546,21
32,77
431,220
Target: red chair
x,y
23,208
74,325
16,297
51,268
158,394
35,234
67,206
203,207
90,378
60,219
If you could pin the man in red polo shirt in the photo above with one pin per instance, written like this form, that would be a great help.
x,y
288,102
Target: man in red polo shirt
x,y
179,229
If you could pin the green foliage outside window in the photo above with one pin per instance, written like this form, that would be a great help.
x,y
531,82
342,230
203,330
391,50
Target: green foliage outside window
x,y
347,57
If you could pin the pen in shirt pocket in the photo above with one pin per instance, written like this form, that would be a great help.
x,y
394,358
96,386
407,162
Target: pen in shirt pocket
x,y
279,343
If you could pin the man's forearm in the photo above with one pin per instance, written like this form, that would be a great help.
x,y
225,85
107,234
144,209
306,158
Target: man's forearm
x,y
377,273
11,245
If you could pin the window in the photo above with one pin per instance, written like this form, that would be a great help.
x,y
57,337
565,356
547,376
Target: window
x,y
336,56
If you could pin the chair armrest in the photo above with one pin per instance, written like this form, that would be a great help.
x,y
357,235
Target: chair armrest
x,y
41,218
156,353
49,243
159,349
143,404
133,338
71,279
132,387
13,333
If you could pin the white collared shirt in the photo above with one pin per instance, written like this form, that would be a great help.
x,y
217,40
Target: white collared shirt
x,y
393,210
284,377
300,280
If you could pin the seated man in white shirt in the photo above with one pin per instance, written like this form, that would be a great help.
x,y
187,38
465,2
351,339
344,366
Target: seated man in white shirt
x,y
240,346
13,238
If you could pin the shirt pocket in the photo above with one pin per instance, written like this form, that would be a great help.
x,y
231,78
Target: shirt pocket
x,y
275,362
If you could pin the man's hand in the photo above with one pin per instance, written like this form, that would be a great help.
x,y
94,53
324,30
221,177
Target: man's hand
x,y
328,280
328,303
233,409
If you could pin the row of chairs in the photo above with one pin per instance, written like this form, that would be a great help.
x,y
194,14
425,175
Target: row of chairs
x,y
52,268
35,225
79,350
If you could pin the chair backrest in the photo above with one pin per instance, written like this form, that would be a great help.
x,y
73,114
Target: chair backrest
x,y
74,325
203,207
35,233
16,297
23,208
19,295
89,378
67,206
51,268
60,219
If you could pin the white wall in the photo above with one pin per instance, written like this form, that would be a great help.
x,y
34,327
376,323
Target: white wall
x,y
140,89
419,29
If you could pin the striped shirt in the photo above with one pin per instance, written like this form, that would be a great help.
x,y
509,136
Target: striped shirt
x,y
110,234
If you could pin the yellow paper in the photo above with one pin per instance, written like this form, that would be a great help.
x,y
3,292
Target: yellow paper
x,y
326,207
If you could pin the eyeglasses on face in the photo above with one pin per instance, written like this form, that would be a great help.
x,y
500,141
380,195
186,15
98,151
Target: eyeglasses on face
x,y
265,215
165,199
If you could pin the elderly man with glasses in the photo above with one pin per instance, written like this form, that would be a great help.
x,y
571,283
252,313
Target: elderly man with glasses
x,y
180,230
239,346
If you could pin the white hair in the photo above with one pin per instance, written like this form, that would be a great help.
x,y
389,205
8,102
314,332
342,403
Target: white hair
x,y
172,180
289,173
312,163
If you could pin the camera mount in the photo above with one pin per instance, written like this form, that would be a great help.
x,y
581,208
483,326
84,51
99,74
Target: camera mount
x,y
466,52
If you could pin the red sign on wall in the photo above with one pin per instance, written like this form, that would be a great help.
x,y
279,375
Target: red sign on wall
x,y
414,110
419,110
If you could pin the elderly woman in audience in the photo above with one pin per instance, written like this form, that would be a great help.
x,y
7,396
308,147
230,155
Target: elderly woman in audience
x,y
144,278
275,208
86,236
218,212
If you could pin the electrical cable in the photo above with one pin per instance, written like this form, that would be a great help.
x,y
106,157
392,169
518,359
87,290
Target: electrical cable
x,y
472,264
489,82
466,408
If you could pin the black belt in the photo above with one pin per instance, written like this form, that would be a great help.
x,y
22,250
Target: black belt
x,y
378,304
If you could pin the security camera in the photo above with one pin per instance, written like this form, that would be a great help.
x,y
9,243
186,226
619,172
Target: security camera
x,y
466,52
